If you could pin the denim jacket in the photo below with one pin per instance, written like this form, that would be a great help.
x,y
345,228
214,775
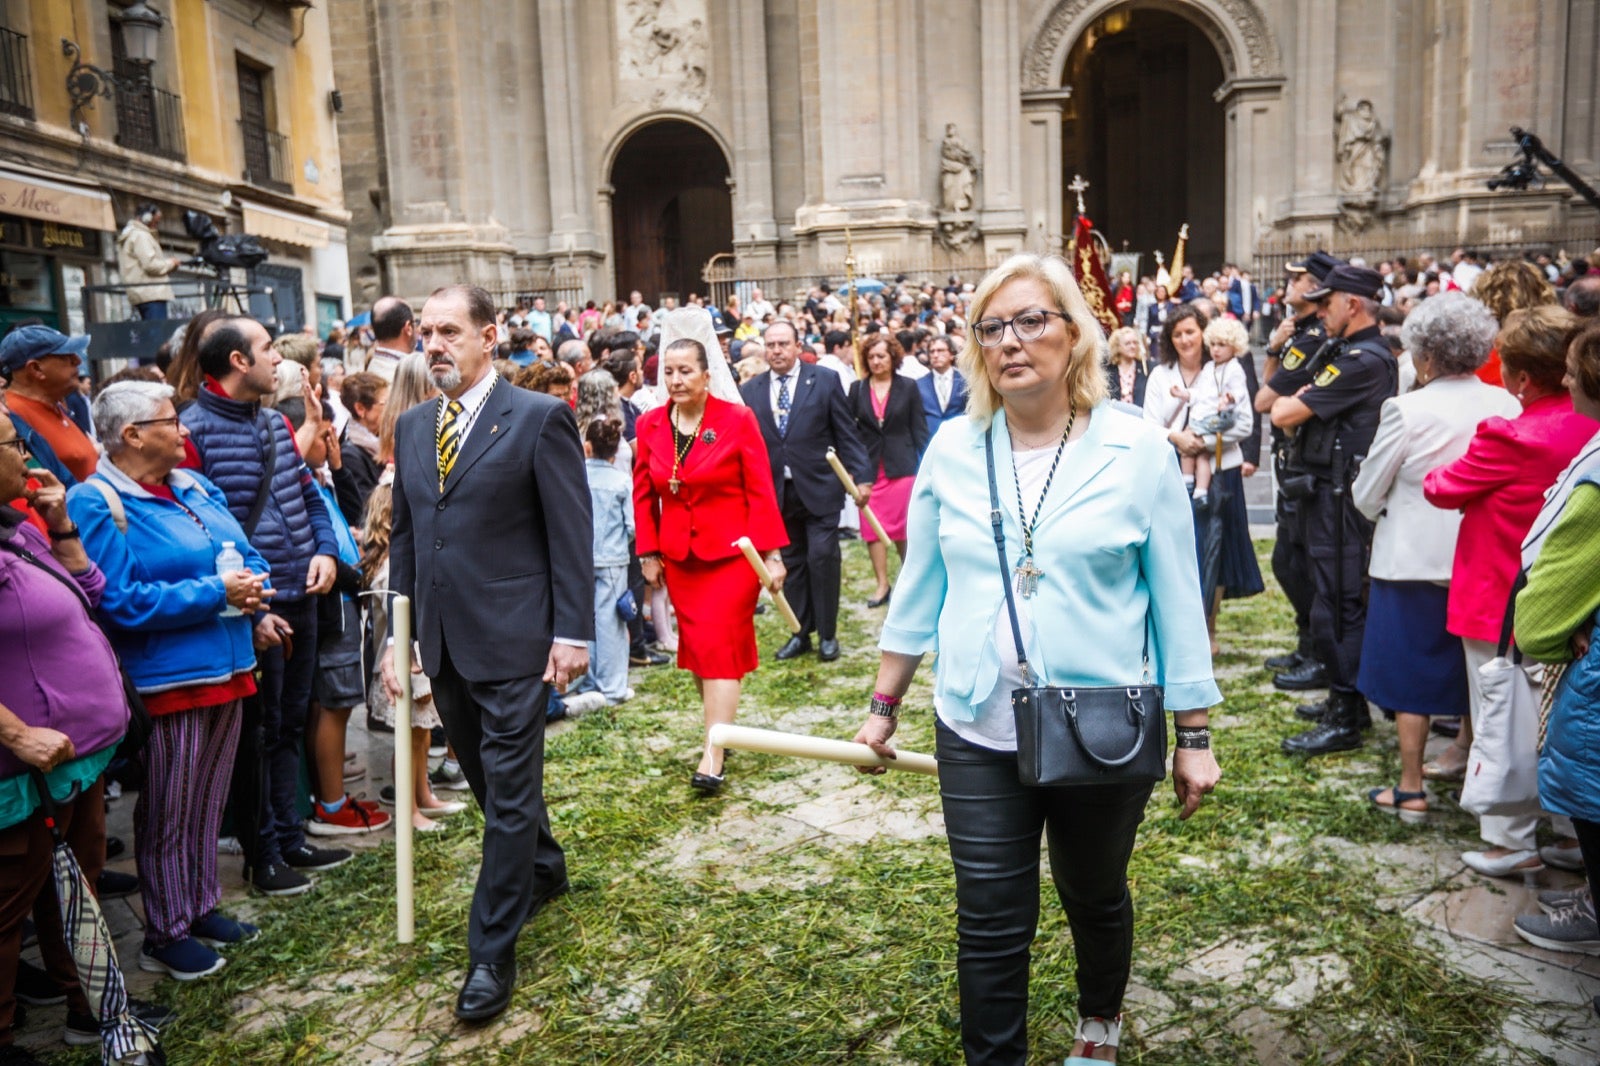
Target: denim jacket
x,y
611,498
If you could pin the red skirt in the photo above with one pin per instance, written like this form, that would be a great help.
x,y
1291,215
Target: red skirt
x,y
716,605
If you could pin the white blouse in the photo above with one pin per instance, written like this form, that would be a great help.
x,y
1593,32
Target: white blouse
x,y
1214,385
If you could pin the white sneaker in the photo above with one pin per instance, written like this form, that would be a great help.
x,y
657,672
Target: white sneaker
x,y
583,703
627,694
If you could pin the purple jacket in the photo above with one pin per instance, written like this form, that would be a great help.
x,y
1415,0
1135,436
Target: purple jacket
x,y
56,668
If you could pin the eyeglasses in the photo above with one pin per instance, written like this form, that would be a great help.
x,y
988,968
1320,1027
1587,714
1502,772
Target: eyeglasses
x,y
1028,326
16,442
173,422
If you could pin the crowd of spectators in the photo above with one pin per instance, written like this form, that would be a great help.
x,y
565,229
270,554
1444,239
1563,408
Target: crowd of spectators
x,y
214,533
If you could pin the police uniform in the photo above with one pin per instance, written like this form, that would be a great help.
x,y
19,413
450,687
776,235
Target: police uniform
x,y
1297,366
1357,373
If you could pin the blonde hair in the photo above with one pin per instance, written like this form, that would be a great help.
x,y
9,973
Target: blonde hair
x,y
1086,384
1229,331
377,523
296,348
412,385
291,381
1114,346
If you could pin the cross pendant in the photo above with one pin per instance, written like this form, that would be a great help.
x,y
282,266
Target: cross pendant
x,y
673,484
1028,577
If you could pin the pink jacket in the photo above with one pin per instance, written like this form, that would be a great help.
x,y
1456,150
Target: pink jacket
x,y
1499,486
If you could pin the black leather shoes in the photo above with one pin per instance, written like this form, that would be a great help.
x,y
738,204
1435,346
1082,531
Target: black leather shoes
x,y
1311,712
879,601
487,990
542,898
828,650
1339,730
1279,663
1308,676
793,648
646,657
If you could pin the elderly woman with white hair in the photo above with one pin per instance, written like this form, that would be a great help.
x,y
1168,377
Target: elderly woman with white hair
x,y
1410,664
183,632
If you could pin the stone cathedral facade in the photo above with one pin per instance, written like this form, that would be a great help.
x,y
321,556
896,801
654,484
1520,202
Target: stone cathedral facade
x,y
623,144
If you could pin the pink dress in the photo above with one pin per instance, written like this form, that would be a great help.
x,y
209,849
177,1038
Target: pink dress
x,y
891,496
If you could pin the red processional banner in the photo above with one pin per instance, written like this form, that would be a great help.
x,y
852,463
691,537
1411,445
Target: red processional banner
x,y
1091,274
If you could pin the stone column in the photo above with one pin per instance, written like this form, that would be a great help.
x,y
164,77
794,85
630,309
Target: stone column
x,y
575,239
1001,217
755,227
1255,157
1309,127
1042,181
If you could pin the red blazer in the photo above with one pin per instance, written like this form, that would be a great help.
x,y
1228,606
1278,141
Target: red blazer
x,y
725,491
1499,486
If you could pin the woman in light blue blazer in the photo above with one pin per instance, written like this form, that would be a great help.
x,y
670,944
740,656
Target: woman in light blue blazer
x,y
1113,542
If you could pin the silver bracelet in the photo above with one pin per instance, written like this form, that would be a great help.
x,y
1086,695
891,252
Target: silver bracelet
x,y
884,709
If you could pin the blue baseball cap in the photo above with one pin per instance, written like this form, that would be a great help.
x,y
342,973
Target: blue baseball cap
x,y
719,324
26,343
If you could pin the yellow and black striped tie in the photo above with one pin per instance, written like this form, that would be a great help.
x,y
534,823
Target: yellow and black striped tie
x,y
449,440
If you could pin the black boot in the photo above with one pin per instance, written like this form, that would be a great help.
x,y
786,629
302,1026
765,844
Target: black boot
x,y
1309,675
1293,660
1340,729
1312,712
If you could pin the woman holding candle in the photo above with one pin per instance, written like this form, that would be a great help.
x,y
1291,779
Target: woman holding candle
x,y
701,480
1099,539
888,410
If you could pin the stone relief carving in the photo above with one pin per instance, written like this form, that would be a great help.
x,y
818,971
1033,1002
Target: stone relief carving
x,y
1361,149
958,171
1045,54
664,43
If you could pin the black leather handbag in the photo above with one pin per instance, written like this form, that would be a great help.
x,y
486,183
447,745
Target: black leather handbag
x,y
1068,736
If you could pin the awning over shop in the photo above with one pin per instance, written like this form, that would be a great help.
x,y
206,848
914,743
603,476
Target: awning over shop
x,y
277,225
33,194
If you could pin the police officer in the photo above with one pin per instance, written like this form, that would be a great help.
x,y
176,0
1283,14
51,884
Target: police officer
x,y
1293,353
1336,417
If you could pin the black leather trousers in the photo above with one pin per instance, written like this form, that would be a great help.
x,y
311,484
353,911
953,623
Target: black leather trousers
x,y
994,823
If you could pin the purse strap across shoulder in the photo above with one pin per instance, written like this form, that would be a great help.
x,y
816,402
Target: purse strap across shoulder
x,y
997,521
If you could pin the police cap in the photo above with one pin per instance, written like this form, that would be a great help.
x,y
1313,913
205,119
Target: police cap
x,y
1361,281
1317,264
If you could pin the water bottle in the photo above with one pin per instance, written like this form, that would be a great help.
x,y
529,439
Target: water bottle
x,y
229,561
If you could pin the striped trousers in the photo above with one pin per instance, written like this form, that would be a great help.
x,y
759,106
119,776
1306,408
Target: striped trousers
x,y
188,762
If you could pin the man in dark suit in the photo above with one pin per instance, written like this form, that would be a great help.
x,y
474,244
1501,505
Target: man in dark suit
x,y
493,540
943,389
802,414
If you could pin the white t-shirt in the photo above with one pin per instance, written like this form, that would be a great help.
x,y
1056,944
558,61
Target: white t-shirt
x,y
995,727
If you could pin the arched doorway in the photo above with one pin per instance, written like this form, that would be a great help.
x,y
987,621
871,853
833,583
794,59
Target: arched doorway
x,y
1143,127
671,209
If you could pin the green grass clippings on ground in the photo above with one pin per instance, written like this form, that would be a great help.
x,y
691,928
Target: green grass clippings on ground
x,y
735,930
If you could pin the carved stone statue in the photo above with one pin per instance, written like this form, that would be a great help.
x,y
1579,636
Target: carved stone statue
x,y
958,171
1361,148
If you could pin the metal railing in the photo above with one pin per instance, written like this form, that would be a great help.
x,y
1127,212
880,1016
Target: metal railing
x,y
151,120
16,81
1577,238
725,276
267,160
555,284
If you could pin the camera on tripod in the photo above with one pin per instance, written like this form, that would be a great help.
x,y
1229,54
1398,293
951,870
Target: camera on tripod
x,y
222,251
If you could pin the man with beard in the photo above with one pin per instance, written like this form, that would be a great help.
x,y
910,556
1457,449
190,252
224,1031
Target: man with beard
x,y
492,532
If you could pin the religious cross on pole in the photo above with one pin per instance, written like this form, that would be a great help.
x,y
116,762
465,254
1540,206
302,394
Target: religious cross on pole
x,y
1078,186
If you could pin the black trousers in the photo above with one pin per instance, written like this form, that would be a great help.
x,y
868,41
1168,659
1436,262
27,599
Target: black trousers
x,y
497,728
1291,565
994,822
812,560
1338,574
1588,834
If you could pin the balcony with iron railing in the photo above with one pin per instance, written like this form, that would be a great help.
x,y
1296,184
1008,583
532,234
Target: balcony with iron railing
x,y
16,82
150,120
266,158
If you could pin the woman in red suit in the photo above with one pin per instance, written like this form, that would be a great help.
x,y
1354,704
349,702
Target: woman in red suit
x,y
701,480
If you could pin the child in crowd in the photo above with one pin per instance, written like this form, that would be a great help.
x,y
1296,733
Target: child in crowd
x,y
375,534
337,685
611,497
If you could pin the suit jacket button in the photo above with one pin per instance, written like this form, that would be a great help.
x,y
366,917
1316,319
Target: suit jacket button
x,y
439,505
438,544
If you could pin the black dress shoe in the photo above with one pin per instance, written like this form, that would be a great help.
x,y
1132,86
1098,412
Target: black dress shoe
x,y
793,648
1308,676
879,601
1279,663
710,784
1312,712
114,885
115,847
487,990
828,650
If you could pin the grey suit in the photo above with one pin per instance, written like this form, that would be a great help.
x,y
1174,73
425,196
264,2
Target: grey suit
x,y
498,564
